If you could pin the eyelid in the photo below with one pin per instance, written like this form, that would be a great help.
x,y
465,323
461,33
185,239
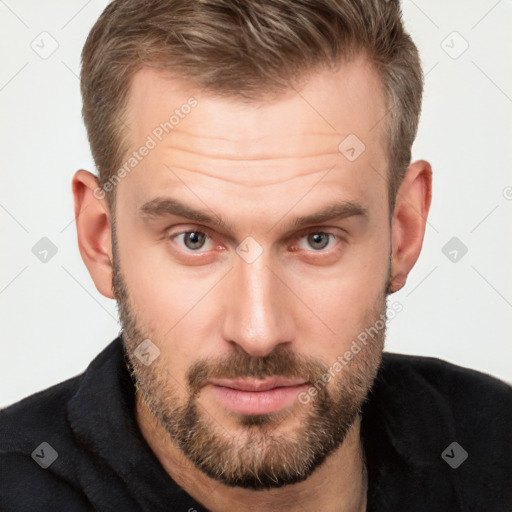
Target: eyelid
x,y
172,235
308,231
334,239
333,231
188,229
295,237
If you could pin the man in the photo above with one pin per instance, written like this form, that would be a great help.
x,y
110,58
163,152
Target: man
x,y
256,206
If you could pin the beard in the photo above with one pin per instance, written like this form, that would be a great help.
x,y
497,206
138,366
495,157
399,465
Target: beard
x,y
264,452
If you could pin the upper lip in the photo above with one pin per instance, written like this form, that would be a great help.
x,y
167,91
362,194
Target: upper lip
x,y
257,384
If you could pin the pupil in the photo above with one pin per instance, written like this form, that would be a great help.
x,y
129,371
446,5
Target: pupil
x,y
194,240
318,240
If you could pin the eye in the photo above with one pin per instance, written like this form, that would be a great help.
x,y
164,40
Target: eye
x,y
193,240
317,240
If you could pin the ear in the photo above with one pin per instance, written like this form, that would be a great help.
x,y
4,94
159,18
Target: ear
x,y
409,221
93,227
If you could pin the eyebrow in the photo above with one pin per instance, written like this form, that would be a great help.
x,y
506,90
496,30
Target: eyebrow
x,y
162,207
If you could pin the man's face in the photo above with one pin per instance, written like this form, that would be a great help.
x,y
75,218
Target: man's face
x,y
252,301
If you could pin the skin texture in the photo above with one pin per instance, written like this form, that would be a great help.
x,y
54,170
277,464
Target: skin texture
x,y
258,167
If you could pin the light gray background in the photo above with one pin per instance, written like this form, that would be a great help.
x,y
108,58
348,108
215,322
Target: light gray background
x,y
53,321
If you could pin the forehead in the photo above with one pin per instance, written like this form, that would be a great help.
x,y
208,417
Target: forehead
x,y
211,141
330,103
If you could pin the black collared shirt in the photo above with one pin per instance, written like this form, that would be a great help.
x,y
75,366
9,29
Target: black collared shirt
x,y
418,408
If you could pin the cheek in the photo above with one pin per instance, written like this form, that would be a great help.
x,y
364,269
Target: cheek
x,y
346,301
356,280
175,308
161,290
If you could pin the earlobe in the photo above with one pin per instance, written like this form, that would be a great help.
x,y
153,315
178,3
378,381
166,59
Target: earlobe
x,y
409,221
93,227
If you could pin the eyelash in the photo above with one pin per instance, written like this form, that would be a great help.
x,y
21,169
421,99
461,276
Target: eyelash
x,y
295,239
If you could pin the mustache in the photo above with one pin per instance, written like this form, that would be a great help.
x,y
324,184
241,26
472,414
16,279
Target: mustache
x,y
281,362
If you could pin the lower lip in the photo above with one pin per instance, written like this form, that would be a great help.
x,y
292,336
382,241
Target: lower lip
x,y
257,402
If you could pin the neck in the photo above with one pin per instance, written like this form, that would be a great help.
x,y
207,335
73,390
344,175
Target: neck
x,y
339,484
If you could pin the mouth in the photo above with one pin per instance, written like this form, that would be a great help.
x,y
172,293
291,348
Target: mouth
x,y
257,396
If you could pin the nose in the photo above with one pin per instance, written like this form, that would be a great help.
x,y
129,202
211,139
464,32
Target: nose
x,y
258,308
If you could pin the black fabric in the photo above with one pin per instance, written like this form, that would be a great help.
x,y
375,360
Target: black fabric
x,y
417,408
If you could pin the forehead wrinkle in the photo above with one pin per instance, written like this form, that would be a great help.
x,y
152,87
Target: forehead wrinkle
x,y
189,132
253,173
239,158
249,182
261,147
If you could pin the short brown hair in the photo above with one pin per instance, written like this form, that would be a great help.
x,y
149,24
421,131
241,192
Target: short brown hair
x,y
246,49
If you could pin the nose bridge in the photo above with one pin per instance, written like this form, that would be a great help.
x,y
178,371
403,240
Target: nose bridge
x,y
258,317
